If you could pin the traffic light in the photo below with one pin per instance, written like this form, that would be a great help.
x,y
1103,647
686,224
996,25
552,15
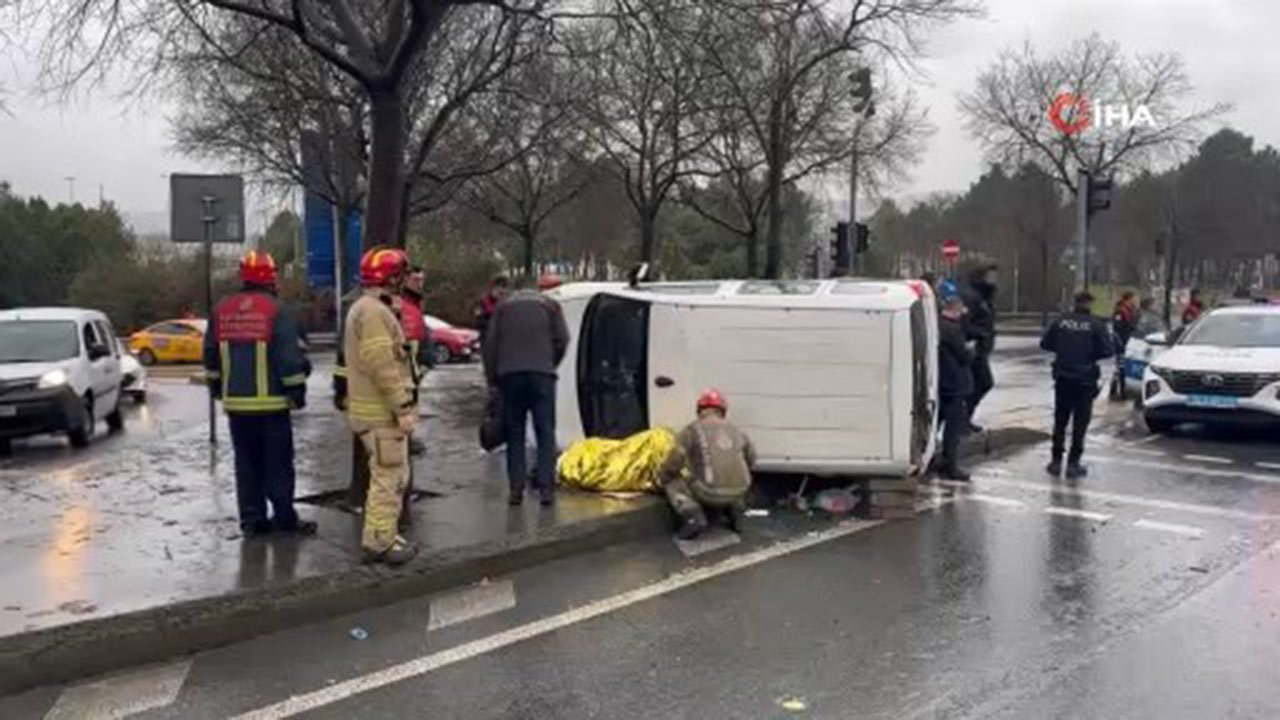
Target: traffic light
x,y
840,248
863,239
1099,193
861,81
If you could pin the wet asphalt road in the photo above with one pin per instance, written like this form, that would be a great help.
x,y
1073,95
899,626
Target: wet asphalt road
x,y
1151,589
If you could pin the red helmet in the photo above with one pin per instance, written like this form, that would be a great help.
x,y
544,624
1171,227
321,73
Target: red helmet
x,y
258,268
711,398
380,266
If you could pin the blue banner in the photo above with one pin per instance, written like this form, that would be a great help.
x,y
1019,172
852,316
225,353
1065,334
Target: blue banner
x,y
318,220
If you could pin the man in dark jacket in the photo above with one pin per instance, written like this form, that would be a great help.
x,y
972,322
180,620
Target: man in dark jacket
x,y
980,326
255,366
955,379
1078,340
527,338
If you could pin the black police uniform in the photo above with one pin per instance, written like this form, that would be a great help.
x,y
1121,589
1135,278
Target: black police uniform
x,y
955,385
1078,340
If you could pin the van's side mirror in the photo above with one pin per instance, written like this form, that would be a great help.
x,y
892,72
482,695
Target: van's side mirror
x,y
1158,338
97,351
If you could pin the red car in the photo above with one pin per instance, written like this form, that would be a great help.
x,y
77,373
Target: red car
x,y
452,344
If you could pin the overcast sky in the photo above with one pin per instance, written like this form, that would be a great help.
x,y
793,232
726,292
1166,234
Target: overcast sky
x,y
1229,47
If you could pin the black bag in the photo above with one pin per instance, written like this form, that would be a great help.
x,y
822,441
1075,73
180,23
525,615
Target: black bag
x,y
492,433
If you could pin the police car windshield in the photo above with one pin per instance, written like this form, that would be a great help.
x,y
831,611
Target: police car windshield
x,y
38,340
1232,330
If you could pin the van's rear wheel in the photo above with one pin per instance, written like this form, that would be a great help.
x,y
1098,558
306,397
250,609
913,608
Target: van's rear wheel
x,y
79,436
115,421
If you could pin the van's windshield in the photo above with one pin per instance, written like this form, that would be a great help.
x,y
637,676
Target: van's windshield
x,y
38,340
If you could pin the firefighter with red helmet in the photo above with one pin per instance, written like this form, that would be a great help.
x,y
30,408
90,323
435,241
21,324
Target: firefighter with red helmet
x,y
380,403
255,366
709,469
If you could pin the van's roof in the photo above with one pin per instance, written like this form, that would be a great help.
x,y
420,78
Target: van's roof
x,y
51,313
844,292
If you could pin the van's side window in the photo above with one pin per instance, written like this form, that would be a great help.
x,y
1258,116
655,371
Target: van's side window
x,y
89,337
107,336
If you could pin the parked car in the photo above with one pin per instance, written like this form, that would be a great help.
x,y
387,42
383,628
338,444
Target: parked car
x,y
133,374
1224,369
1138,354
171,341
827,377
59,372
451,343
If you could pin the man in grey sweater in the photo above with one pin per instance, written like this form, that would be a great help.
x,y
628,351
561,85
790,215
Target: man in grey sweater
x,y
526,340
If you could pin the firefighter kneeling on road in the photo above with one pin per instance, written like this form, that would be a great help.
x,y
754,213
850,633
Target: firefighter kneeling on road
x,y
380,405
254,364
709,469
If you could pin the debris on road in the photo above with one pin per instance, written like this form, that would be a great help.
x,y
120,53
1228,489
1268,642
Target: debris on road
x,y
358,633
792,703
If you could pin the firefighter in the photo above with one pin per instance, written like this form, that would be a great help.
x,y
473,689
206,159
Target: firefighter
x,y
255,366
709,469
418,336
1078,341
1194,308
379,400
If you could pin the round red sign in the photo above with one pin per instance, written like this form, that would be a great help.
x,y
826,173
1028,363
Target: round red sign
x,y
950,249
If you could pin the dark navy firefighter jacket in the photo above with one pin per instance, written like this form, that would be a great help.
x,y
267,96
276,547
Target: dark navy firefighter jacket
x,y
252,357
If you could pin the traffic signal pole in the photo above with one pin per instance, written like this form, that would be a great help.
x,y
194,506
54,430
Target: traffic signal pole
x,y
853,197
1082,230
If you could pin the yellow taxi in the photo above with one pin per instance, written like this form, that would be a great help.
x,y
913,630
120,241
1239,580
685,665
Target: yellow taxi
x,y
171,341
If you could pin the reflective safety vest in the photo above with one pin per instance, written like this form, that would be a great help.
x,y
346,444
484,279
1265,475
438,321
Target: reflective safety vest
x,y
251,354
378,376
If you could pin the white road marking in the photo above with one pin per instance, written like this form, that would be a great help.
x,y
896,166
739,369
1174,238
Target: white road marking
x,y
1209,459
1077,513
476,601
1185,530
420,666
1145,440
1127,499
996,500
1211,472
711,540
121,695
1268,465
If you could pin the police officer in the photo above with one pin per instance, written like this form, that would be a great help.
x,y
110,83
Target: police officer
x,y
254,364
955,379
709,469
379,401
1078,340
980,325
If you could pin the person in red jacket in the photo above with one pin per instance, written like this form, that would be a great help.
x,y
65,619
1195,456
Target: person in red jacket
x,y
1194,308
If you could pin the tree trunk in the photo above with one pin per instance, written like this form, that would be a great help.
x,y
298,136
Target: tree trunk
x,y
753,254
342,231
527,237
386,168
1170,273
1044,282
777,161
648,236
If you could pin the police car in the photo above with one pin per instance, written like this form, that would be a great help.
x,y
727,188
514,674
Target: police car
x,y
1224,369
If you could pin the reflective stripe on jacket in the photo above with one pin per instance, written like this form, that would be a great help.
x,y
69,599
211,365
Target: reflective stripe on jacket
x,y
251,354
379,380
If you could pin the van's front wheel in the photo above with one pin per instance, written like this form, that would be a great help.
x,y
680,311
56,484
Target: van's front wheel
x,y
80,435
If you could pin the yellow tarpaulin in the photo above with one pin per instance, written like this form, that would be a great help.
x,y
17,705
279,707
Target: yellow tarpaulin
x,y
627,465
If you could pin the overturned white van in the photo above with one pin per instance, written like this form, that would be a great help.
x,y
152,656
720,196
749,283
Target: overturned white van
x,y
828,377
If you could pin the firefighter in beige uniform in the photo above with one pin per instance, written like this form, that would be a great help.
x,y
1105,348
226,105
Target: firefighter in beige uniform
x,y
380,407
708,472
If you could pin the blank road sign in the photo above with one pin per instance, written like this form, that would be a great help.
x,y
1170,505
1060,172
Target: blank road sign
x,y
187,207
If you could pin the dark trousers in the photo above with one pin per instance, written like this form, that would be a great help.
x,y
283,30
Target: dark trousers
x,y
358,489
983,381
524,394
1072,402
955,423
263,445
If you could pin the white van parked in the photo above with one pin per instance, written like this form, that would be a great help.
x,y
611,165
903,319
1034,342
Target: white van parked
x,y
828,377
59,372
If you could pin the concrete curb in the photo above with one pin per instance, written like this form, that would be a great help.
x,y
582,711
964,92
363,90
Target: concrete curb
x,y
100,645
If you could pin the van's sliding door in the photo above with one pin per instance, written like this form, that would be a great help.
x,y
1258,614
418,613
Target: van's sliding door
x,y
613,367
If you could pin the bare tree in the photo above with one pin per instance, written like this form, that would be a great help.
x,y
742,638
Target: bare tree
x,y
1009,110
376,45
644,82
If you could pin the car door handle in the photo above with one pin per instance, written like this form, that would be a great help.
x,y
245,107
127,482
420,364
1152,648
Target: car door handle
x,y
663,381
